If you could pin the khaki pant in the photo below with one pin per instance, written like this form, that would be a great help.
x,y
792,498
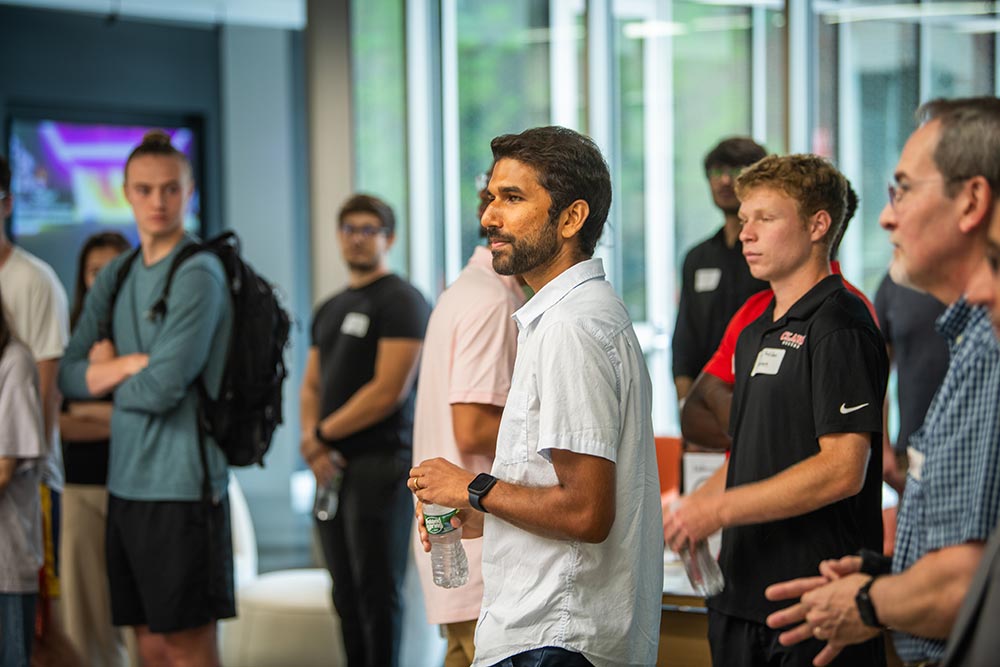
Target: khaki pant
x,y
86,602
461,643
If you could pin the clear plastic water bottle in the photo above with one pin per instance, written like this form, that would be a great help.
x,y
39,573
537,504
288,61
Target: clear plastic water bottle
x,y
703,570
448,562
328,497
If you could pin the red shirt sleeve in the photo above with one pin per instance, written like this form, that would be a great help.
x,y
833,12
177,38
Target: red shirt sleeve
x,y
721,363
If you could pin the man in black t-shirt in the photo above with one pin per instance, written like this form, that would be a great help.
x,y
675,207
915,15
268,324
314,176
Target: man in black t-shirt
x,y
715,280
803,481
919,353
357,420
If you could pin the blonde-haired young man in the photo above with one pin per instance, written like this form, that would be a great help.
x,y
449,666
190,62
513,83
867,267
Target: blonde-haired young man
x,y
803,478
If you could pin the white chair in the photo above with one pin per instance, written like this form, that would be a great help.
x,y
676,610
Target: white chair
x,y
284,618
244,536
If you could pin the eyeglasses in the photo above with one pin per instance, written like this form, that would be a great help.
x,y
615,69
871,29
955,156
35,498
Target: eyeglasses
x,y
364,231
719,172
897,192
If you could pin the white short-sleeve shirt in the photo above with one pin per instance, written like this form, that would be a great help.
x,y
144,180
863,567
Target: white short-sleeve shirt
x,y
35,304
21,438
580,384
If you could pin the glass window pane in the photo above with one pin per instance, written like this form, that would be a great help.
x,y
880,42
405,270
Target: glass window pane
x,y
379,77
629,181
961,63
712,100
777,110
873,80
503,86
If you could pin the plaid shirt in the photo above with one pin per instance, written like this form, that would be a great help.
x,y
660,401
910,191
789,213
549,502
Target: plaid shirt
x,y
955,496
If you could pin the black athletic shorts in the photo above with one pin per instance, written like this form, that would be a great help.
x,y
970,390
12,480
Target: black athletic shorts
x,y
170,563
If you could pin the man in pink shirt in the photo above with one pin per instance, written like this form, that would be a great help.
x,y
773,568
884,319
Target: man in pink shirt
x,y
465,371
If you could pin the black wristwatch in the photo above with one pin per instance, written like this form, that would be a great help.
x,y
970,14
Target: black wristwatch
x,y
478,488
322,440
865,607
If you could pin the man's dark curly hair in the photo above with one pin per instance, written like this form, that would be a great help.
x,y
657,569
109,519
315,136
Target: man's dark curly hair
x,y
569,166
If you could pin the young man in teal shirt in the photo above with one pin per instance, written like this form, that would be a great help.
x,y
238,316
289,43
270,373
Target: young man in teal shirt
x,y
169,551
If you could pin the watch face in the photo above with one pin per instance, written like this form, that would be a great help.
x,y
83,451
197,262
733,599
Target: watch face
x,y
482,483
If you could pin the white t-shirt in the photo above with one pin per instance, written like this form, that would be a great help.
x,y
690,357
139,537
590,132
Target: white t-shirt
x,y
35,304
22,437
580,384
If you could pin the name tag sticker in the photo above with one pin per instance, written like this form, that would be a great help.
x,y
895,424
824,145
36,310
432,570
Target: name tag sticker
x,y
706,280
355,324
768,361
916,461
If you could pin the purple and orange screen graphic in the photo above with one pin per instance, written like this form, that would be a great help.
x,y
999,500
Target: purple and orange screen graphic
x,y
71,174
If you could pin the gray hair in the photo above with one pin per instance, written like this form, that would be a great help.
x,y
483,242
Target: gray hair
x,y
969,144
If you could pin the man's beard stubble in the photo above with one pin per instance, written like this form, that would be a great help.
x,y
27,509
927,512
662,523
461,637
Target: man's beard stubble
x,y
526,253
362,267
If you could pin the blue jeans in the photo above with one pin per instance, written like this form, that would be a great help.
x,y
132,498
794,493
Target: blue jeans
x,y
550,656
17,628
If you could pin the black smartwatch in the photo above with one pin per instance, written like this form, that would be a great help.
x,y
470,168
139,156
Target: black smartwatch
x,y
478,488
865,607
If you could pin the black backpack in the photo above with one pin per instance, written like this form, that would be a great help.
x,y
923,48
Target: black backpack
x,y
243,418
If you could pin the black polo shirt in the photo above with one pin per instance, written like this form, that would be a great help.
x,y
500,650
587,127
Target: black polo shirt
x,y
715,282
820,369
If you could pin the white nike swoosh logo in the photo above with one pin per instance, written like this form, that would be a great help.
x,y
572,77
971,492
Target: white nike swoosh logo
x,y
844,410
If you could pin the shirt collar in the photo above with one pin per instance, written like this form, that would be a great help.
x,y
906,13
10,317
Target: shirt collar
x,y
954,320
811,300
556,289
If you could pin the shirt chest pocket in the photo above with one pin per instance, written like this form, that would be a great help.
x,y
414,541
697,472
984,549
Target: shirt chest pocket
x,y
512,439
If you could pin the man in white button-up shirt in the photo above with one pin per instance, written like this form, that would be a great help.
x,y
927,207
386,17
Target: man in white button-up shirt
x,y
572,551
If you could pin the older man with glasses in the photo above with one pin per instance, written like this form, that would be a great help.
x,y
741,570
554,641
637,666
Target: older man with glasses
x,y
946,185
974,639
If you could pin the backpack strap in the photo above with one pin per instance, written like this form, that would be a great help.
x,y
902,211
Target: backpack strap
x,y
159,309
104,327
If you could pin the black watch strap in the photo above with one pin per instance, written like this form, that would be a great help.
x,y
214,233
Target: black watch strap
x,y
322,439
478,489
866,610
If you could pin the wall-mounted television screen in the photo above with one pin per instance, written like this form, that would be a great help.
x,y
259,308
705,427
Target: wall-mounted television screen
x,y
67,178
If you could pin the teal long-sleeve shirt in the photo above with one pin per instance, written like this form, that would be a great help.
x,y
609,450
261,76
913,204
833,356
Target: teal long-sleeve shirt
x,y
154,434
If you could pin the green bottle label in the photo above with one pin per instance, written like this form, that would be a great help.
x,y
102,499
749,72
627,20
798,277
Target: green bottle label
x,y
439,524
